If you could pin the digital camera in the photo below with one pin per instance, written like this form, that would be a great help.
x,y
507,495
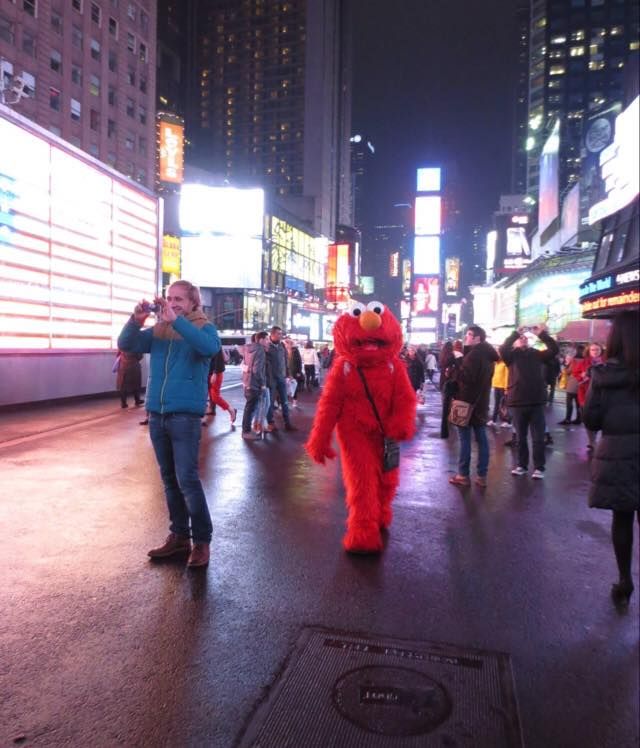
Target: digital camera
x,y
148,308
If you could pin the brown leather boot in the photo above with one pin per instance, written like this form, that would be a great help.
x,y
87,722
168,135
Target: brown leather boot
x,y
172,545
199,555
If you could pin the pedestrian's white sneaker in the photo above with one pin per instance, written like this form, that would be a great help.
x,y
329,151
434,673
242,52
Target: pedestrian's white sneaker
x,y
505,425
539,474
491,423
519,471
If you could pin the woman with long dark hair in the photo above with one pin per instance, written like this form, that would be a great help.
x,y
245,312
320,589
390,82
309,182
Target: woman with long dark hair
x,y
613,407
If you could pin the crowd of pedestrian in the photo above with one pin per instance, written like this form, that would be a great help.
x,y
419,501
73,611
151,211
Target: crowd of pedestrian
x,y
187,366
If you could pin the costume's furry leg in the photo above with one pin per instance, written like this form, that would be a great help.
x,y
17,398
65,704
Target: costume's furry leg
x,y
388,488
362,473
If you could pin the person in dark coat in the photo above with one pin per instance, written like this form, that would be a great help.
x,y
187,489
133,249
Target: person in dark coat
x,y
612,406
129,379
450,356
415,368
474,386
527,394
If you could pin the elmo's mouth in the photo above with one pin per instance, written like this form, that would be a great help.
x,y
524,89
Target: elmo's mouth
x,y
370,344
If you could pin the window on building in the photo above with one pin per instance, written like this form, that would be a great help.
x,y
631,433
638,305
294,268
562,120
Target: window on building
x,y
131,76
559,39
144,21
142,52
113,27
576,51
29,6
55,61
111,158
94,85
75,109
143,84
96,13
76,37
557,70
7,30
113,61
94,119
28,43
76,74
142,146
56,22
54,99
130,142
111,96
77,5
111,128
131,42
596,64
142,114
142,175
55,130
577,36
131,108
131,11
29,83
93,149
95,49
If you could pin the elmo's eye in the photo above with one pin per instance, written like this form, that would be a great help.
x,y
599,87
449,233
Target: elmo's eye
x,y
375,306
357,309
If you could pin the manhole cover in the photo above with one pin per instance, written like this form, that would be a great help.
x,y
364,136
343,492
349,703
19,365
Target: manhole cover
x,y
345,689
391,700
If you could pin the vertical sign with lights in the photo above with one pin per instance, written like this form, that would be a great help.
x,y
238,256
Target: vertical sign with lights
x,y
426,265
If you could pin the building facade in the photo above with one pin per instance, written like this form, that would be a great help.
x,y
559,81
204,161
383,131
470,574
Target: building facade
x,y
273,102
86,71
577,54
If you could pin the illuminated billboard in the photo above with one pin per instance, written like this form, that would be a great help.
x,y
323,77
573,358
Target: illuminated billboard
x,y
171,151
426,294
429,179
296,254
394,264
78,246
451,276
406,276
206,260
426,255
171,254
338,265
428,214
549,204
221,210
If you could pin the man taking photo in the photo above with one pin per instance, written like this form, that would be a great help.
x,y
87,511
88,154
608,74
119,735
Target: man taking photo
x,y
181,345
527,393
277,368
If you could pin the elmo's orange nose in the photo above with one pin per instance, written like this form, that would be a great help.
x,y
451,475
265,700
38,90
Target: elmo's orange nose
x,y
370,321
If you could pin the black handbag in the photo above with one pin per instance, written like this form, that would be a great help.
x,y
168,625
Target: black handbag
x,y
390,447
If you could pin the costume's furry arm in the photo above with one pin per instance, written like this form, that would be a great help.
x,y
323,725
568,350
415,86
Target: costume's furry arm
x,y
329,408
402,424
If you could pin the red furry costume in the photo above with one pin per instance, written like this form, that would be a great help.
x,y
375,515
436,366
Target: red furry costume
x,y
371,339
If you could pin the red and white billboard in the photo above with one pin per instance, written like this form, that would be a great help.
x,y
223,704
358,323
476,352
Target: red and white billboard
x,y
426,294
78,246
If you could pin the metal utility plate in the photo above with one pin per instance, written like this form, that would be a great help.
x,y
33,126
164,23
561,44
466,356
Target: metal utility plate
x,y
349,690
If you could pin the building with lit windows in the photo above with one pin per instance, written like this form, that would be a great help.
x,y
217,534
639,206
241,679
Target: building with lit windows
x,y
519,155
362,154
86,71
273,103
578,50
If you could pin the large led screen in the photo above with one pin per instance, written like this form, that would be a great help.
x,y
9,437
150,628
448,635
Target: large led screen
x,y
452,275
426,255
78,246
426,295
428,210
222,261
549,206
221,210
171,155
429,179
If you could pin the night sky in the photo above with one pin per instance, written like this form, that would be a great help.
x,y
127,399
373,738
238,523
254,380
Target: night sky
x,y
434,81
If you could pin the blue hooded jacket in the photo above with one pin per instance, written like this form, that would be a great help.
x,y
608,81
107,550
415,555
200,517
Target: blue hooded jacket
x,y
179,364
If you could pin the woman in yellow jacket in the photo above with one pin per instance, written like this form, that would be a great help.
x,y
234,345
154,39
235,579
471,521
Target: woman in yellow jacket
x,y
499,384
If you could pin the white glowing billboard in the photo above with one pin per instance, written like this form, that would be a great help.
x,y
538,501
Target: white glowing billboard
x,y
429,179
222,261
78,245
426,255
428,215
221,210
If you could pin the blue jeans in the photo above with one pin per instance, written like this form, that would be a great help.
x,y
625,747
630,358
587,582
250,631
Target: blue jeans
x,y
176,439
251,402
527,417
464,459
280,386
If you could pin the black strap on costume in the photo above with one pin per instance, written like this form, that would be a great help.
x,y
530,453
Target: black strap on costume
x,y
373,405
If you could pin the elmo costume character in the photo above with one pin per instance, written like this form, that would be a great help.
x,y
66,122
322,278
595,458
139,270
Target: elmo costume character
x,y
367,341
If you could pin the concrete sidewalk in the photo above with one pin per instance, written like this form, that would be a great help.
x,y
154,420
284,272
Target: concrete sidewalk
x,y
102,648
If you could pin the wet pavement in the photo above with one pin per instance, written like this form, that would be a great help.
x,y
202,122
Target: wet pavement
x,y
99,647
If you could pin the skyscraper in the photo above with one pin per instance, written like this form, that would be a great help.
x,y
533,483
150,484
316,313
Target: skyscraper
x,y
521,104
578,50
89,71
274,102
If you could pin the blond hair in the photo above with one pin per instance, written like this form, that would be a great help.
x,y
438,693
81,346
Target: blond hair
x,y
193,293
